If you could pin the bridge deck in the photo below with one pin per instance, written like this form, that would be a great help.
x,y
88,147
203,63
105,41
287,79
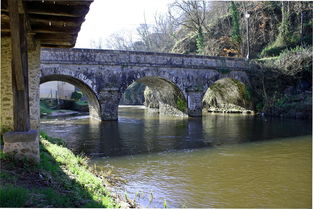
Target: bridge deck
x,y
138,58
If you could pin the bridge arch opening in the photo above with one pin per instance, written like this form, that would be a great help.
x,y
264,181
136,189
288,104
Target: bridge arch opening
x,y
227,95
157,94
93,102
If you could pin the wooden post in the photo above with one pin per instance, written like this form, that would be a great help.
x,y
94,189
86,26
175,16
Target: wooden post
x,y
19,67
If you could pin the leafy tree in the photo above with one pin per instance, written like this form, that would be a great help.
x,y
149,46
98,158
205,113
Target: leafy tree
x,y
235,30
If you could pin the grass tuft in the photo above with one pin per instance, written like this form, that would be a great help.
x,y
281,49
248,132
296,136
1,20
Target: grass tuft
x,y
13,196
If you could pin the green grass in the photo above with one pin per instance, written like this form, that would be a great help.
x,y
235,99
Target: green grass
x,y
13,196
81,102
44,109
66,180
86,183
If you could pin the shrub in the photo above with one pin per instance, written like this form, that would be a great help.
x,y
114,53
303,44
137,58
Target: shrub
x,y
76,95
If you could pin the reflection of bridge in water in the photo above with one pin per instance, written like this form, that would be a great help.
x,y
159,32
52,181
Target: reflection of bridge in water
x,y
104,75
139,132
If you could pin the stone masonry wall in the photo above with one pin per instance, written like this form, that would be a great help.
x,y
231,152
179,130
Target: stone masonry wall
x,y
34,80
6,93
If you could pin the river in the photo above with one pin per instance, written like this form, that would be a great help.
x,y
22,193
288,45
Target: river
x,y
218,160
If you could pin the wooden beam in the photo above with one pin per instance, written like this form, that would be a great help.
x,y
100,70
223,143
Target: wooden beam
x,y
55,23
37,18
58,42
64,2
57,46
15,42
56,10
19,67
50,29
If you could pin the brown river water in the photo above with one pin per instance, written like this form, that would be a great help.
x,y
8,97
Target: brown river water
x,y
217,161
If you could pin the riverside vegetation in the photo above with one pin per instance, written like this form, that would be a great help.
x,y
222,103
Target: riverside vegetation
x,y
277,38
61,179
49,106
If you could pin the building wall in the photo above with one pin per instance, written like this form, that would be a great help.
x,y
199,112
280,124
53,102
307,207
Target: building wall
x,y
6,93
56,89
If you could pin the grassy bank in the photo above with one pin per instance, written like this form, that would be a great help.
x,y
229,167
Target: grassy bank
x,y
61,179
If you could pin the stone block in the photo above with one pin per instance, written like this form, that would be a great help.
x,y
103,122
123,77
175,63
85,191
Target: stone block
x,y
22,145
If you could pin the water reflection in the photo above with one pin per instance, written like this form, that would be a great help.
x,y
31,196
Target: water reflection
x,y
273,170
139,131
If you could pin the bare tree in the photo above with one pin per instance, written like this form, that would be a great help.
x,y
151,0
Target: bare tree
x,y
97,44
159,36
192,15
121,40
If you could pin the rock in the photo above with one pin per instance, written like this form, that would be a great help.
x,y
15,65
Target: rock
x,y
134,94
228,96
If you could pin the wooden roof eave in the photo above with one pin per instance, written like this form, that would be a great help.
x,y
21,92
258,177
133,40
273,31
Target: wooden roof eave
x,y
54,23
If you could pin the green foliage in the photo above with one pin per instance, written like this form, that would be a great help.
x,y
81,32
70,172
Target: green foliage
x,y
2,155
235,30
56,141
285,38
245,92
259,106
291,61
181,104
284,28
272,50
2,131
76,95
165,204
200,42
13,196
51,197
44,108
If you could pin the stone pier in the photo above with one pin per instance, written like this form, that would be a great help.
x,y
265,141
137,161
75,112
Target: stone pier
x,y
21,144
194,101
109,99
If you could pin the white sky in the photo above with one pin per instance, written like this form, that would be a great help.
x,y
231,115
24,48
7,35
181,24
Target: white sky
x,y
108,16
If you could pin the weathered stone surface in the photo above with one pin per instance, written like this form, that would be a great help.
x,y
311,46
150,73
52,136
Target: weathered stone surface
x,y
22,145
134,94
228,95
171,75
13,137
6,95
34,80
194,102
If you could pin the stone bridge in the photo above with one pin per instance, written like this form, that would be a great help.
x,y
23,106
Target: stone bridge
x,y
104,75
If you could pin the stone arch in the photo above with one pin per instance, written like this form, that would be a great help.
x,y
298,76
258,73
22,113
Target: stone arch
x,y
93,101
228,94
163,94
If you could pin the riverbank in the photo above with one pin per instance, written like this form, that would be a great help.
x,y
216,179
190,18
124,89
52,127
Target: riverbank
x,y
51,107
61,179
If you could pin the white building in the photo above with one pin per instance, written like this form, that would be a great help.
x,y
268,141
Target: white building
x,y
56,89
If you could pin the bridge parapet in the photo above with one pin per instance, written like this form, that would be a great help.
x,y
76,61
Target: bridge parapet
x,y
136,58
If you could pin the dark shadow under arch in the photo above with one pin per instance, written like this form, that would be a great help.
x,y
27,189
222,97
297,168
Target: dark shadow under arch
x,y
93,102
163,95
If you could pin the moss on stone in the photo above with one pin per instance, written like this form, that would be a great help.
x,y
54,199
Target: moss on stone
x,y
228,95
181,104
